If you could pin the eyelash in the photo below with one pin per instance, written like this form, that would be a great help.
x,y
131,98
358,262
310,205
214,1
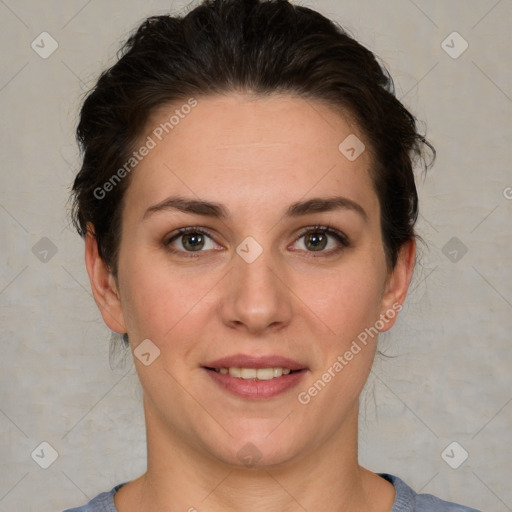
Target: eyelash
x,y
323,229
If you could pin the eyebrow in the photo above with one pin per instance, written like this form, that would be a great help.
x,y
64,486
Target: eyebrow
x,y
217,210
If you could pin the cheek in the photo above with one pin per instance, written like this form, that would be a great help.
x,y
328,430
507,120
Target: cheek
x,y
350,307
348,299
161,302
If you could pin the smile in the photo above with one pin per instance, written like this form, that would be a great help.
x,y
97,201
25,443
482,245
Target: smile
x,y
254,373
255,383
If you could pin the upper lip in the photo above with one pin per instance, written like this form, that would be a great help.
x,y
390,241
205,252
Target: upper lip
x,y
253,361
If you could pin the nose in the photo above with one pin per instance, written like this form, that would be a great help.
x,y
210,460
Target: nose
x,y
257,299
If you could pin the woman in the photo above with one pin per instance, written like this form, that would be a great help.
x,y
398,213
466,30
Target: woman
x,y
248,204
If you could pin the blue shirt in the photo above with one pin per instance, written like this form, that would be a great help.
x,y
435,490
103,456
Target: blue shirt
x,y
406,500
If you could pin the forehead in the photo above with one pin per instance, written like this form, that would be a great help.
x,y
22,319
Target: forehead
x,y
245,148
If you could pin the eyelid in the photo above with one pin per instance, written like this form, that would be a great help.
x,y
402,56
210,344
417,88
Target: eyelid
x,y
183,231
168,239
325,228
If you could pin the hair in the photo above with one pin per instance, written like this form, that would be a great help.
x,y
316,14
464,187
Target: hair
x,y
254,46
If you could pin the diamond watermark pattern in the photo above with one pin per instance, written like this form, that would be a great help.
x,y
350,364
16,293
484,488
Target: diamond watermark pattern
x,y
44,45
146,352
45,455
454,45
249,250
454,455
44,250
249,455
352,147
454,250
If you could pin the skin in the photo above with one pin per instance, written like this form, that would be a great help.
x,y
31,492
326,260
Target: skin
x,y
255,156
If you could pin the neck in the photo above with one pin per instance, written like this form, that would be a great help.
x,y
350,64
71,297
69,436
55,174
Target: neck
x,y
182,477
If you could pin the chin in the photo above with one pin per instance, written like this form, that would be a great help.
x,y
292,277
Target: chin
x,y
257,448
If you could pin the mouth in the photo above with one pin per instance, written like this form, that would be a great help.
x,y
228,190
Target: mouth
x,y
255,373
253,377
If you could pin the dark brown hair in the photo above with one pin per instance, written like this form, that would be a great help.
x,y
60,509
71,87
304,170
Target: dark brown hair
x,y
261,47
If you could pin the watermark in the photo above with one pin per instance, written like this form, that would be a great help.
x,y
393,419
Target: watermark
x,y
507,193
44,455
157,135
352,147
249,249
249,455
44,250
304,397
44,45
454,45
454,455
454,249
146,352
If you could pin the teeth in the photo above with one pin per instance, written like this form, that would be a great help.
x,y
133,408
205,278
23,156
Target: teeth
x,y
253,373
247,373
235,372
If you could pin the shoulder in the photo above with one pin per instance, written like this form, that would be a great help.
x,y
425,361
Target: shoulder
x,y
104,502
406,500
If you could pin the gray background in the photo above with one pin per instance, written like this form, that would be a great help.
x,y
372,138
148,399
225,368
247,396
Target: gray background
x,y
450,380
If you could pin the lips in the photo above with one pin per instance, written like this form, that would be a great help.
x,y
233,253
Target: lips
x,y
254,388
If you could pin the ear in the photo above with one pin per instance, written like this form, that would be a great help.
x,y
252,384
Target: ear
x,y
397,285
103,285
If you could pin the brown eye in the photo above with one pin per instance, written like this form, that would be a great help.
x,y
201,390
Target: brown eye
x,y
189,240
192,241
316,241
322,239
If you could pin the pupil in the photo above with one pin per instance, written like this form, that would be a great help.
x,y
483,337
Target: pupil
x,y
317,240
193,241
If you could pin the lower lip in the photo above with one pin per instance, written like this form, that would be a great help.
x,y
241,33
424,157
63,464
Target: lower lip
x,y
257,389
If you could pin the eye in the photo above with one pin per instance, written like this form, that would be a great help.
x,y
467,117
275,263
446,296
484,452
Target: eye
x,y
190,239
322,239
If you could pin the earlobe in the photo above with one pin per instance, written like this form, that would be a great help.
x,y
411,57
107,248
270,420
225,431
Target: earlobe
x,y
397,284
103,285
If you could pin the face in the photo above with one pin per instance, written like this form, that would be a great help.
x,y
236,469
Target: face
x,y
248,234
